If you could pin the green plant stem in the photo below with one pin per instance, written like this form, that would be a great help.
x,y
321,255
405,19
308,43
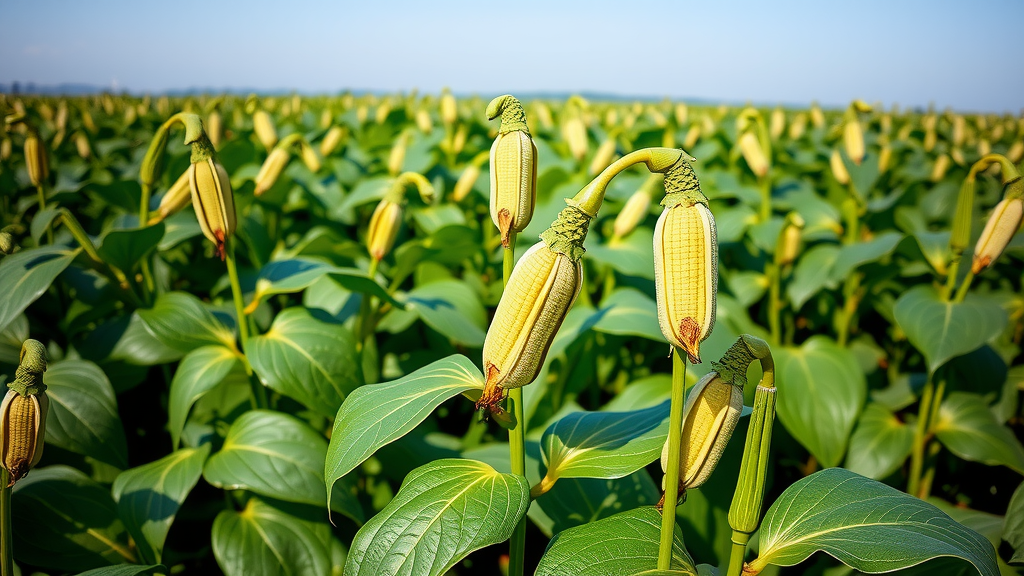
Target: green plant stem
x,y
675,434
6,536
149,287
259,393
954,267
917,449
772,270
961,293
516,440
42,206
766,198
739,550
366,324
851,299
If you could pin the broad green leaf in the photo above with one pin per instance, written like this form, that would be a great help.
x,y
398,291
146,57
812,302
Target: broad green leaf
x,y
625,544
880,443
935,248
604,444
864,524
83,414
199,372
125,570
452,308
378,414
179,320
308,359
851,256
811,273
823,393
943,330
287,276
631,256
444,511
1013,525
149,496
124,248
968,428
11,339
66,522
271,454
25,275
628,312
644,393
267,540
747,286
136,344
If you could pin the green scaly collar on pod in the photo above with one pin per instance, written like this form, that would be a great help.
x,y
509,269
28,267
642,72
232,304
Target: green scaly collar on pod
x,y
28,378
732,367
682,186
568,231
513,116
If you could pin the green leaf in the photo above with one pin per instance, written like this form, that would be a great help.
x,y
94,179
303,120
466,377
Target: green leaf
x,y
267,540
628,312
83,414
452,308
124,248
968,428
851,256
199,372
180,321
66,522
943,330
823,392
308,359
880,444
125,570
632,256
625,544
604,444
11,339
378,414
444,511
864,524
25,275
811,273
271,454
297,274
149,496
1013,525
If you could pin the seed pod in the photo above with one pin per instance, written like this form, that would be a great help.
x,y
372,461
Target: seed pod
x,y
513,161
685,263
271,169
817,116
839,172
362,112
309,157
449,109
853,140
36,161
753,154
574,131
215,128
331,140
383,229
603,157
469,176
543,114
884,157
326,118
777,125
82,146
212,197
930,139
383,111
1016,152
692,135
959,126
984,148
57,140
459,141
681,112
543,286
396,158
23,414
637,207
423,121
798,127
789,242
939,168
745,511
957,155
177,197
5,148
999,230
263,125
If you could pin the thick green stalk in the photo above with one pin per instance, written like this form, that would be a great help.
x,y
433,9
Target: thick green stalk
x,y
961,293
516,440
739,550
766,198
774,273
6,536
675,435
259,394
42,206
917,450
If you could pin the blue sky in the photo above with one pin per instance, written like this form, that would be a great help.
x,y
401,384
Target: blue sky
x,y
965,55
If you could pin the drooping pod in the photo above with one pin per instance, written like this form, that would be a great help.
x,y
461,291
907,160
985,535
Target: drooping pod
x,y
513,168
331,140
1002,224
23,414
685,263
637,207
177,197
387,216
212,197
464,185
35,160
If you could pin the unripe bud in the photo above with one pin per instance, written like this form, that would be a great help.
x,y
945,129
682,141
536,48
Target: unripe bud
x,y
153,161
449,109
212,197
603,157
331,140
36,161
271,169
177,197
1004,222
309,157
23,414
637,207
513,160
839,172
745,511
754,154
263,125
383,229
853,139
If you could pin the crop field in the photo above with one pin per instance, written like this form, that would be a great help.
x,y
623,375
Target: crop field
x,y
424,335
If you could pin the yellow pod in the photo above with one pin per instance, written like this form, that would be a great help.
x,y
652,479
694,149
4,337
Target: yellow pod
x,y
326,118
397,155
362,112
686,274
753,153
62,115
1004,222
575,134
381,115
636,208
984,147
459,141
958,156
215,128
853,139
543,114
777,124
929,139
263,125
449,109
513,182
603,157
423,121
885,124
271,170
1016,152
465,182
543,286
692,135
383,230
817,116
331,140
681,113
23,428
958,130
213,201
884,157
177,197
36,161
711,412
939,168
835,162
798,127
997,132
789,247
5,148
309,157
82,145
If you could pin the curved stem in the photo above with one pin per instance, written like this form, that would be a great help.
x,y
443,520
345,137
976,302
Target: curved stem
x,y
961,293
516,440
42,206
6,536
675,434
917,450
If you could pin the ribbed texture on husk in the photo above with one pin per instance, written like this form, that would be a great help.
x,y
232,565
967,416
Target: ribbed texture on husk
x,y
539,293
176,198
513,182
22,428
271,170
383,230
213,201
711,413
36,161
686,275
999,230
263,125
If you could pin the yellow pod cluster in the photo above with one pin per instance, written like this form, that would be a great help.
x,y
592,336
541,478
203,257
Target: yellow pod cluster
x,y
513,158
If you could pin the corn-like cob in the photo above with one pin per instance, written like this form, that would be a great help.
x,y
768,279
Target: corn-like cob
x,y
930,138
685,263
817,116
997,132
692,135
309,156
331,140
574,131
423,121
469,177
603,157
326,118
57,140
513,160
271,169
959,127
957,155
449,109
789,244
459,140
777,124
835,162
984,147
753,153
263,125
1016,152
23,414
939,168
681,113
177,197
383,229
82,145
853,139
540,291
215,128
383,111
798,126
35,160
637,207
212,197
397,155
